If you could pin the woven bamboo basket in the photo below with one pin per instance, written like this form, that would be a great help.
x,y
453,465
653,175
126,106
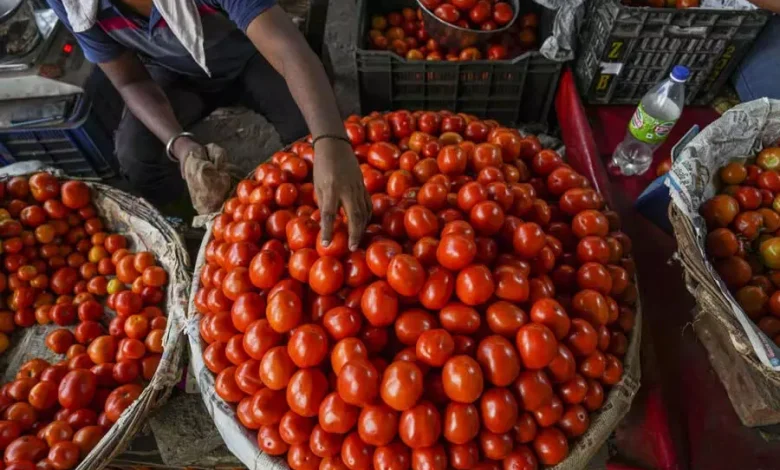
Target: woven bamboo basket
x,y
145,229
242,442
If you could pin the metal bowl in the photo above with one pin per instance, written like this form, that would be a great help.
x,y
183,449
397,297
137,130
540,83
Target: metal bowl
x,y
449,35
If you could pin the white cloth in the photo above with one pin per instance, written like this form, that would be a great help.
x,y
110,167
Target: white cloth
x,y
181,15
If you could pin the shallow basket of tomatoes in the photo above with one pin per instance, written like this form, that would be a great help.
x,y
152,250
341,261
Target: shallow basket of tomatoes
x,y
516,88
34,345
725,221
292,343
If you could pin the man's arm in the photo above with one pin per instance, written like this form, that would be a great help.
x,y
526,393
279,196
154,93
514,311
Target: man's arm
x,y
146,100
280,42
337,177
771,5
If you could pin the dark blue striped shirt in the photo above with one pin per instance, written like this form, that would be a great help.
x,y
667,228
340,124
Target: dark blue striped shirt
x,y
224,23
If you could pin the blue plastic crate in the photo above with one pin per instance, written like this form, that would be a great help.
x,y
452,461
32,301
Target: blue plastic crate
x,y
83,146
79,151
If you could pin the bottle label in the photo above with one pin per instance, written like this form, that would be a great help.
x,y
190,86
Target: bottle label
x,y
648,129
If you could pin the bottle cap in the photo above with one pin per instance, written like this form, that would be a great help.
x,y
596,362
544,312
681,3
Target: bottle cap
x,y
680,73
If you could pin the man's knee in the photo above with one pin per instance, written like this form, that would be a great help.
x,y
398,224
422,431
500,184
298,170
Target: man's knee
x,y
144,164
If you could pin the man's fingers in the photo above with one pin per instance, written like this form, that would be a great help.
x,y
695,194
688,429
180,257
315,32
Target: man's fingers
x,y
358,214
328,207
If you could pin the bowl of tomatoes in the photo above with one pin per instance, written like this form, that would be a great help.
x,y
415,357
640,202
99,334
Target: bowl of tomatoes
x,y
460,24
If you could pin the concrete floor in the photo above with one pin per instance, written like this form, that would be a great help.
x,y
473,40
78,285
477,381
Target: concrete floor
x,y
248,137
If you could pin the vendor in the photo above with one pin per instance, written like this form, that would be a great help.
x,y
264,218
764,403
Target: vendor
x,y
174,61
758,75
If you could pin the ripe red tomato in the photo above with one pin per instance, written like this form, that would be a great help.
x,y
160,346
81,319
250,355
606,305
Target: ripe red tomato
x,y
284,311
533,390
64,455
503,13
499,410
120,399
77,389
402,385
226,386
419,222
358,382
308,345
447,12
405,275
379,304
551,446
25,448
462,379
87,438
266,269
474,284
434,347
75,194
420,426
43,396
537,345
306,390
499,361
259,338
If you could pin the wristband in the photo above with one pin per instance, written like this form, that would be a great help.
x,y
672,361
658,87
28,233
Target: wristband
x,y
172,140
330,136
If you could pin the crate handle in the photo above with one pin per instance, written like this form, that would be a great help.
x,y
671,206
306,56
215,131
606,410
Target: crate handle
x,y
690,32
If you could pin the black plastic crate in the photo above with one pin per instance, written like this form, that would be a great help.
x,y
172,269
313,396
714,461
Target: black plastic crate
x,y
83,146
624,51
520,90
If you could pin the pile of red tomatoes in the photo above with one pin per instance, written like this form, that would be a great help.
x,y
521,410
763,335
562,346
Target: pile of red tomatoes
x,y
58,263
404,33
743,240
482,320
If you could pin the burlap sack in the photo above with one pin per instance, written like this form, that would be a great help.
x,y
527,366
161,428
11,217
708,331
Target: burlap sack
x,y
242,442
146,230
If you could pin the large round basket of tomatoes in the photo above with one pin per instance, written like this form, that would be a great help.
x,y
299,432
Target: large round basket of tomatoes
x,y
489,318
90,316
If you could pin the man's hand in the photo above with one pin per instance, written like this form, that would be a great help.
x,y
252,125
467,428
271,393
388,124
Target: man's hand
x,y
183,148
338,181
209,177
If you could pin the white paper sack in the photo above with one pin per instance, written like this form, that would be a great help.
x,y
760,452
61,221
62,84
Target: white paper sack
x,y
739,134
